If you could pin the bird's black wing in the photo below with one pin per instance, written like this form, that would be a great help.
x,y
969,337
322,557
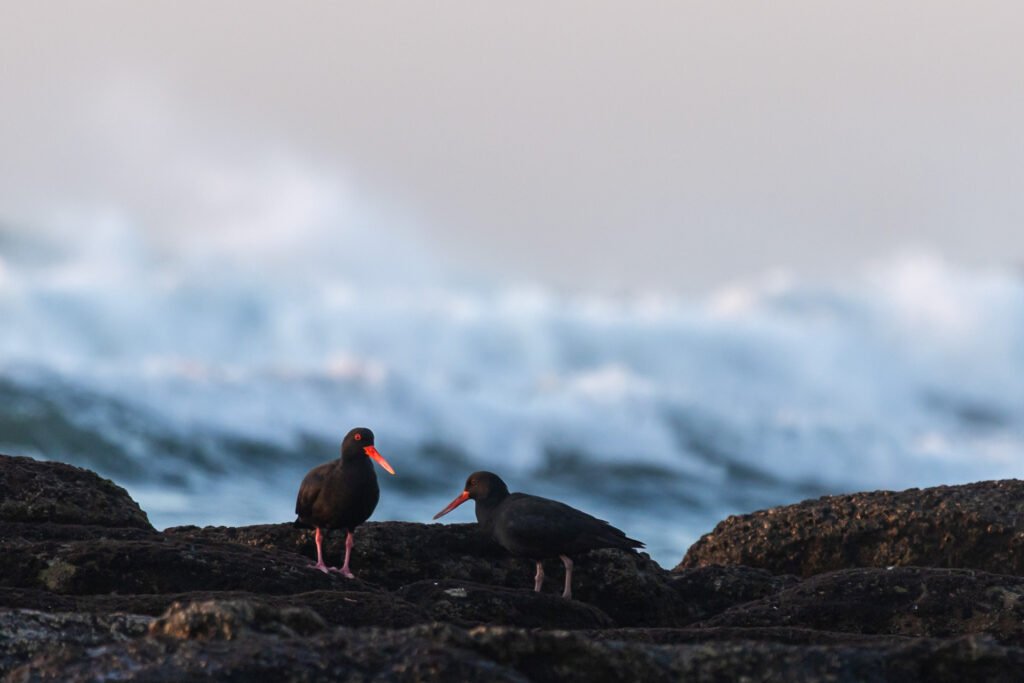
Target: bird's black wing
x,y
540,527
538,522
309,490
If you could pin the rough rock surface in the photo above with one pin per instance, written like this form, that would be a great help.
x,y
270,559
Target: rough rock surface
x,y
556,656
505,654
629,588
709,590
787,635
973,526
33,491
388,554
908,601
468,604
27,633
335,607
160,565
233,619
102,596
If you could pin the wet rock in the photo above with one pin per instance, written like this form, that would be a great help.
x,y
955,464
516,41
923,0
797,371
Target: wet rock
x,y
973,526
467,604
27,633
52,492
907,601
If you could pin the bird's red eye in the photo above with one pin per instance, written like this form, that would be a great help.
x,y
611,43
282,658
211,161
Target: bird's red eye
x,y
358,437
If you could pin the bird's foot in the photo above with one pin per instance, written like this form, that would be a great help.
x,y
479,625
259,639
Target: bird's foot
x,y
344,571
567,595
323,567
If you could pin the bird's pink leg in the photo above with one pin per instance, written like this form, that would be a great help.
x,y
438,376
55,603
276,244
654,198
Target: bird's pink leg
x,y
345,571
567,593
320,552
538,580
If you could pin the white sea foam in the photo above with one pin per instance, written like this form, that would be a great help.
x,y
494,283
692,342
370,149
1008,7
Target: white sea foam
x,y
910,374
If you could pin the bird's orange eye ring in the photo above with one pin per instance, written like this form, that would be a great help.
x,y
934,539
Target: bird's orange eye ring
x,y
358,437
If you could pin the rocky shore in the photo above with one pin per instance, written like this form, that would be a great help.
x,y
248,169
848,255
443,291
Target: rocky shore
x,y
921,585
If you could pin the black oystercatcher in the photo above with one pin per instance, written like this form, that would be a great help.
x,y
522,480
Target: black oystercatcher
x,y
341,494
535,527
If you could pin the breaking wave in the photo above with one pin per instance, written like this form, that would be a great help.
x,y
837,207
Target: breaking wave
x,y
209,386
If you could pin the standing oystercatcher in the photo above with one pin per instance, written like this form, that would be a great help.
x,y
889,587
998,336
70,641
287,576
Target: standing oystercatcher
x,y
341,494
537,528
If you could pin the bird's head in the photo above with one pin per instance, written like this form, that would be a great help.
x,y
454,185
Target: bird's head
x,y
480,486
358,443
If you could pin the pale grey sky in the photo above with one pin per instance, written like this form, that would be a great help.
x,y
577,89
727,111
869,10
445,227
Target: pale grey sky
x,y
586,144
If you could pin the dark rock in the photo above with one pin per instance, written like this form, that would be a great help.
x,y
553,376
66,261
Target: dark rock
x,y
973,526
337,608
354,609
443,652
787,635
167,660
46,531
339,655
560,655
389,554
35,491
905,601
706,591
27,633
631,588
973,658
565,655
245,604
467,604
232,619
158,566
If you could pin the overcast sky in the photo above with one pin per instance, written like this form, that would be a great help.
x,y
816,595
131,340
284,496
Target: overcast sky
x,y
672,145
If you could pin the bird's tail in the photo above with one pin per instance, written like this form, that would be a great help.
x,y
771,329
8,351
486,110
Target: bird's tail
x,y
634,544
615,538
626,543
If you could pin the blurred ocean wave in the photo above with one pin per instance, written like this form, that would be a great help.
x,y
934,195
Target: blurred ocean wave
x,y
208,392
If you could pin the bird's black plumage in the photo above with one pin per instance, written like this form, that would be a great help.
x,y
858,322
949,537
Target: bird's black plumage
x,y
537,528
341,494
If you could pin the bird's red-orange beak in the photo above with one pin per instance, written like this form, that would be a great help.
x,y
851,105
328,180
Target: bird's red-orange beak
x,y
372,452
462,498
